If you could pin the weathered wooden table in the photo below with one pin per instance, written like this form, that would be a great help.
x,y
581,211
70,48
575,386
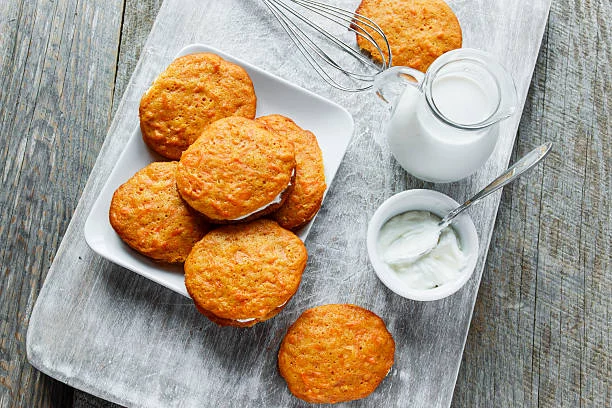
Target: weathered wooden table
x,y
540,333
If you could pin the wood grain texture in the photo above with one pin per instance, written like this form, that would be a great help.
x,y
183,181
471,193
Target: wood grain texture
x,y
113,361
55,105
138,18
541,329
540,334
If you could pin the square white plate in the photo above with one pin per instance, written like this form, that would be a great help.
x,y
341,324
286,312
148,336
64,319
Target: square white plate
x,y
332,124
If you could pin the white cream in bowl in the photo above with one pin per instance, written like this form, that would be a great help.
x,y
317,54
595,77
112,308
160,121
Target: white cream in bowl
x,y
408,233
397,226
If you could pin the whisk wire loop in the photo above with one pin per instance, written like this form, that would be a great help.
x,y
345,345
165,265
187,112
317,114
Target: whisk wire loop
x,y
291,17
302,41
357,24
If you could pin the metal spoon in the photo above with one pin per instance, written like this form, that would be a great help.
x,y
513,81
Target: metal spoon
x,y
430,237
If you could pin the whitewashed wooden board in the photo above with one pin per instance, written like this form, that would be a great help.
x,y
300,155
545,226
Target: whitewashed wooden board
x,y
107,331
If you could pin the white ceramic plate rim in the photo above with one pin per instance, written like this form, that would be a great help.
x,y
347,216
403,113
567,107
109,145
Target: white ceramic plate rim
x,y
332,124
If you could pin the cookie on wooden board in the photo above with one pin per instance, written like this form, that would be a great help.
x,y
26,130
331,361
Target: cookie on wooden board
x,y
149,215
309,185
419,31
335,353
242,274
194,91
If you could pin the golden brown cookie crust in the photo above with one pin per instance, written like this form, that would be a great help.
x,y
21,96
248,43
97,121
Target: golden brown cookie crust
x,y
335,353
309,186
150,216
419,31
235,168
194,91
245,271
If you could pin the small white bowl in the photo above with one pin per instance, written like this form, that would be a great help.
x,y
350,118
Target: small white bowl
x,y
438,204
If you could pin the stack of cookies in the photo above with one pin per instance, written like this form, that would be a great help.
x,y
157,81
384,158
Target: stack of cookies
x,y
223,200
221,171
229,188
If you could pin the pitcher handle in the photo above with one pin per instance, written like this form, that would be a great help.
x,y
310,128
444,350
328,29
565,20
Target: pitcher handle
x,y
393,80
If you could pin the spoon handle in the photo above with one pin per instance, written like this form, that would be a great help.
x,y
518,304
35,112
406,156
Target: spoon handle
x,y
515,171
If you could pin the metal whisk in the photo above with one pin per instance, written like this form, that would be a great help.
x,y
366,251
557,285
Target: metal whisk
x,y
313,28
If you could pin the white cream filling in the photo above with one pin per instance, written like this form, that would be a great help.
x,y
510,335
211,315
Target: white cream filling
x,y
253,318
276,200
245,320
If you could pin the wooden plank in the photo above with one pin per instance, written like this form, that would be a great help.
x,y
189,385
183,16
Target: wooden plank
x,y
545,284
336,255
490,374
138,18
57,63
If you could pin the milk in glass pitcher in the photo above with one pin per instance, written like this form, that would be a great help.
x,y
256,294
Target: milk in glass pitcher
x,y
444,123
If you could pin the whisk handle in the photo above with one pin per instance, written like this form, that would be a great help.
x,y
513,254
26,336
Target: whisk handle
x,y
391,82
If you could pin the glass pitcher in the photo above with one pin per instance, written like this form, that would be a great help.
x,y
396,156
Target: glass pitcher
x,y
443,123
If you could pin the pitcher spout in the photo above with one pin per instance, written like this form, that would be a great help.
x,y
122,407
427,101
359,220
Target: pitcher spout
x,y
509,99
